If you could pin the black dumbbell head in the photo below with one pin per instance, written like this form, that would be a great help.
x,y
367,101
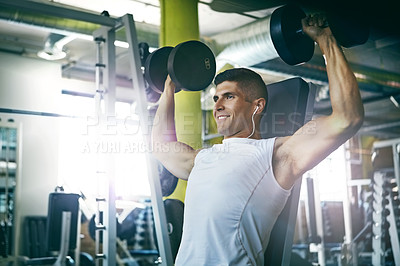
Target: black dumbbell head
x,y
348,28
293,46
191,65
156,68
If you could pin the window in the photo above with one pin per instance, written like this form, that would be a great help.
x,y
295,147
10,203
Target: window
x,y
85,147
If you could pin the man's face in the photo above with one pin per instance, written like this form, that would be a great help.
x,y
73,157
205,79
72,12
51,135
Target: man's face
x,y
232,112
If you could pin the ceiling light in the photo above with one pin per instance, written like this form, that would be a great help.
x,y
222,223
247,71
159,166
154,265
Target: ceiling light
x,y
395,100
53,47
49,55
121,44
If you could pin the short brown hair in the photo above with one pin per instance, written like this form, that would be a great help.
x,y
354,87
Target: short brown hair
x,y
249,82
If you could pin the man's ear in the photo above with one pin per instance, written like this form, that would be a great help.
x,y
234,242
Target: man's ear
x,y
260,102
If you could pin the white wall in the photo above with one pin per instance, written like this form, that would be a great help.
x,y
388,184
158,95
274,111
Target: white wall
x,y
33,85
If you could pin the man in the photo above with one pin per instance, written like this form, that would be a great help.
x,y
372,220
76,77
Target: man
x,y
237,189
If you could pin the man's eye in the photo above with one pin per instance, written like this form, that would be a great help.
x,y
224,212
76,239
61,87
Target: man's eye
x,y
229,96
215,99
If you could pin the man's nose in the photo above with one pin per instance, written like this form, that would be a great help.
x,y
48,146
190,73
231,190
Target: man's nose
x,y
218,105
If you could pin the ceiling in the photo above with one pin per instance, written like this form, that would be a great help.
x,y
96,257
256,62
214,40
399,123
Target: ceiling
x,y
25,26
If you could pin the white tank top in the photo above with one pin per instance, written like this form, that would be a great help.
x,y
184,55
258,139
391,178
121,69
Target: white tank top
x,y
232,202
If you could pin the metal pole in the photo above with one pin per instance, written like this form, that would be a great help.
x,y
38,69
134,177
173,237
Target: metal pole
x,y
394,235
319,224
396,161
160,219
58,11
109,218
346,201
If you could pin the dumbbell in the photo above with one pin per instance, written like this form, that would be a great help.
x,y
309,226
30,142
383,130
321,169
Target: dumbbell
x,y
295,47
191,66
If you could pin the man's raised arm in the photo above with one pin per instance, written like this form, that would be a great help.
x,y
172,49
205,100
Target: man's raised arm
x,y
313,142
176,156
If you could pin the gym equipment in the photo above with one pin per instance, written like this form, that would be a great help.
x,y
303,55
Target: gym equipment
x,y
52,240
191,66
295,47
291,96
385,203
168,181
174,211
60,202
155,68
143,52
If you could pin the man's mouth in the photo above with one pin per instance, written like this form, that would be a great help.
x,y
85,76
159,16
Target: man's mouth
x,y
222,117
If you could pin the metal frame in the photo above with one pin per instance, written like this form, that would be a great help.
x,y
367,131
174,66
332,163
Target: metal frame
x,y
57,11
378,243
395,144
394,235
17,217
107,32
286,231
160,219
109,219
287,249
379,177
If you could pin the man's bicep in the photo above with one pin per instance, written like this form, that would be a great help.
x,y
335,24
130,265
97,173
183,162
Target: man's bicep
x,y
177,157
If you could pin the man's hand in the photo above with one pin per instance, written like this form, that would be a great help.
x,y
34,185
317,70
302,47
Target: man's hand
x,y
315,26
169,85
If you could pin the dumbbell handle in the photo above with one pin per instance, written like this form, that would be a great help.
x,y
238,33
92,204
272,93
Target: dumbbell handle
x,y
300,31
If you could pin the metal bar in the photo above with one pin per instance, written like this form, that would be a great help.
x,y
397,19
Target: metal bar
x,y
294,204
310,211
110,223
17,193
394,235
99,219
379,127
27,112
319,223
358,182
110,243
65,236
160,219
59,12
362,233
6,193
396,162
300,224
347,214
312,88
385,143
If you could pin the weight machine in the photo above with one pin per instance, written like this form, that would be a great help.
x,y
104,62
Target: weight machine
x,y
385,202
106,90
105,37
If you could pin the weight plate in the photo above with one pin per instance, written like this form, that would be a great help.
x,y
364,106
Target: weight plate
x,y
292,45
155,69
349,30
152,96
191,65
174,213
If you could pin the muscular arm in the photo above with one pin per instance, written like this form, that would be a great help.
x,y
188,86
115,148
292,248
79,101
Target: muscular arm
x,y
176,156
295,155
